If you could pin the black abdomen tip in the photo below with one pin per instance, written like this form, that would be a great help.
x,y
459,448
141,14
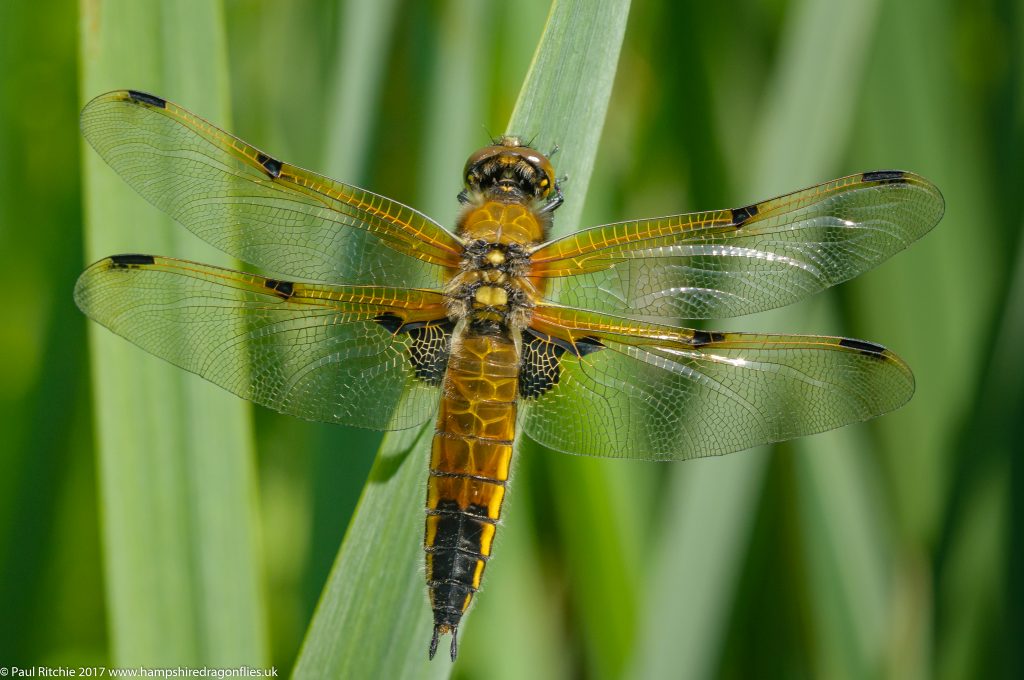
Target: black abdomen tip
x,y
439,630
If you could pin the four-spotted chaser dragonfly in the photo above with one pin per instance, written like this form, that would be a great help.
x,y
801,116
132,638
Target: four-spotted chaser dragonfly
x,y
378,316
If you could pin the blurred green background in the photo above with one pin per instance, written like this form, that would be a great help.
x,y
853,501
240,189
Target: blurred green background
x,y
891,549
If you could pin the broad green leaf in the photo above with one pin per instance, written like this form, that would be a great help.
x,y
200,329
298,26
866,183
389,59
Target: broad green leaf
x,y
565,97
175,452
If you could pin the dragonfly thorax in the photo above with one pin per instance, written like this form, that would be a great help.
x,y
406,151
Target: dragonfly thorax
x,y
492,284
507,258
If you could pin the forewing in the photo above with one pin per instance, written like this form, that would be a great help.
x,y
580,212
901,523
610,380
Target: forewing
x,y
284,219
320,352
733,262
657,393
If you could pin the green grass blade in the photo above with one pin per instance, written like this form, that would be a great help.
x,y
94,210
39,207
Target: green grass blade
x,y
364,32
845,545
908,303
354,98
975,577
373,619
846,550
974,580
565,97
175,453
801,131
899,304
695,566
456,109
975,584
563,102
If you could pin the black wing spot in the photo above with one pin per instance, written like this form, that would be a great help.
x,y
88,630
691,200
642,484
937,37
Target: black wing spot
x,y
271,165
863,346
588,345
581,347
284,289
147,99
701,338
391,322
886,176
741,215
125,261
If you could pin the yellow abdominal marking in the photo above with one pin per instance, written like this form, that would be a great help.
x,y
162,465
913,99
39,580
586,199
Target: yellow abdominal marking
x,y
491,296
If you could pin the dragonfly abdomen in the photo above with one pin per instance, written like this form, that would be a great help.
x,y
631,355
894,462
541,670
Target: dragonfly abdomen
x,y
469,467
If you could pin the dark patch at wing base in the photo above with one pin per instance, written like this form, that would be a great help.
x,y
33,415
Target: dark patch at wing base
x,y
540,371
430,347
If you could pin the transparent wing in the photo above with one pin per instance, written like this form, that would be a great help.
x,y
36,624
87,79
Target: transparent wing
x,y
627,390
282,218
733,262
319,352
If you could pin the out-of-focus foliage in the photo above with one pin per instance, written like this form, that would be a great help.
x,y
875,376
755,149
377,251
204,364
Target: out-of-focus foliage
x,y
891,549
175,456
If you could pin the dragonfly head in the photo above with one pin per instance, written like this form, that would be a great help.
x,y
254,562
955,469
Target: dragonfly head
x,y
510,169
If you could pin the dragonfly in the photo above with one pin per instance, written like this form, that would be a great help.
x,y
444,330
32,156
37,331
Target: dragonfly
x,y
372,314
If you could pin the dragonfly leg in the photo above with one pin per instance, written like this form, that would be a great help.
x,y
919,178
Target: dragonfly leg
x,y
555,201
